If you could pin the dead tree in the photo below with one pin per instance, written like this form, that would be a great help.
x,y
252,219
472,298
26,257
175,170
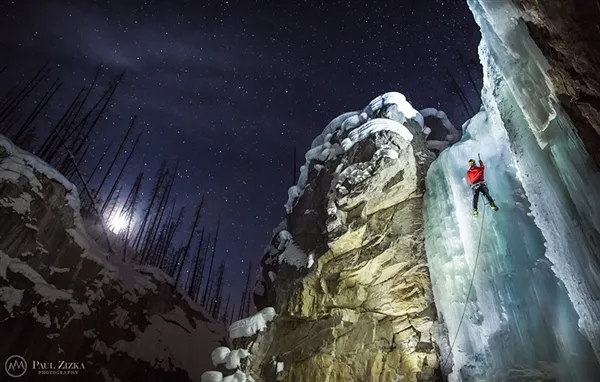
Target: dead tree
x,y
205,296
99,162
108,171
198,260
87,189
162,236
294,170
231,315
118,179
463,98
169,238
191,237
225,314
196,292
52,137
19,136
157,220
216,300
10,106
158,183
468,71
246,293
129,208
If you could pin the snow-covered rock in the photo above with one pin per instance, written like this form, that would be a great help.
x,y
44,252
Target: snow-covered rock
x,y
249,326
440,132
72,302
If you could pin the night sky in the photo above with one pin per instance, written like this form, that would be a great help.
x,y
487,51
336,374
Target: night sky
x,y
234,86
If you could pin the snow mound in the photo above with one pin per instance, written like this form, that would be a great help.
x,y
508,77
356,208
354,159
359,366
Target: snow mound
x,y
234,358
212,376
219,355
249,326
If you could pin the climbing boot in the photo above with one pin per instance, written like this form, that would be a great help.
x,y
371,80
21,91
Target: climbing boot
x,y
475,213
493,207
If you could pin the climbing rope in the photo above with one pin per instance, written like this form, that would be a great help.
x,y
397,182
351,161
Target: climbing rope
x,y
469,292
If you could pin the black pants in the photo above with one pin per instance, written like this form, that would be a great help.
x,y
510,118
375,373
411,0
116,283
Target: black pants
x,y
481,187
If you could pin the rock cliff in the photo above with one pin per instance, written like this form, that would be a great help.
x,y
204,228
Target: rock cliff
x,y
346,272
64,301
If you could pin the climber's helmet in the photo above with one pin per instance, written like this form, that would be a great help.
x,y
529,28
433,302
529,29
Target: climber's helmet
x,y
471,162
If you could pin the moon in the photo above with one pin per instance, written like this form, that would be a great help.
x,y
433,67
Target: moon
x,y
117,223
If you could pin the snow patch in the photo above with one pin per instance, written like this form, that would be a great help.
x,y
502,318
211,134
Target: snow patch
x,y
21,204
259,288
294,256
47,291
247,327
11,297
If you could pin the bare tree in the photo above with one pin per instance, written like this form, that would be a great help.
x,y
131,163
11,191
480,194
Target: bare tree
x,y
108,170
158,217
191,237
123,167
205,296
225,315
169,238
468,71
198,260
20,135
215,305
247,290
129,207
10,106
156,189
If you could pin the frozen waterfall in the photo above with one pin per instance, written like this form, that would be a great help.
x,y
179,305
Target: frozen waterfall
x,y
534,310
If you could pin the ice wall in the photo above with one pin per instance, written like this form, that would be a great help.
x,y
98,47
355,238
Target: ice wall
x,y
534,308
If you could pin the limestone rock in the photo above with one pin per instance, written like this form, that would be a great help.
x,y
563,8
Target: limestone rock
x,y
363,310
62,300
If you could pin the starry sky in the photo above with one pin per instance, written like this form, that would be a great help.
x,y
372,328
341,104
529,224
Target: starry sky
x,y
234,86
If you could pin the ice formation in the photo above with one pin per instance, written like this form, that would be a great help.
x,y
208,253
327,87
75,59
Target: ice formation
x,y
534,308
359,124
249,326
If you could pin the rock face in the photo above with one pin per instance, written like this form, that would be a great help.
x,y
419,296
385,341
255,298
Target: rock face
x,y
347,272
567,33
63,301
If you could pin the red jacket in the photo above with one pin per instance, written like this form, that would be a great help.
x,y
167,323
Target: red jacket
x,y
475,174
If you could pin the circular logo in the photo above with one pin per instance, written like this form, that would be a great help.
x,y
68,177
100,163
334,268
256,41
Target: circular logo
x,y
15,366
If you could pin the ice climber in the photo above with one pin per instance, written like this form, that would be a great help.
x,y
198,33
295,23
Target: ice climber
x,y
477,182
